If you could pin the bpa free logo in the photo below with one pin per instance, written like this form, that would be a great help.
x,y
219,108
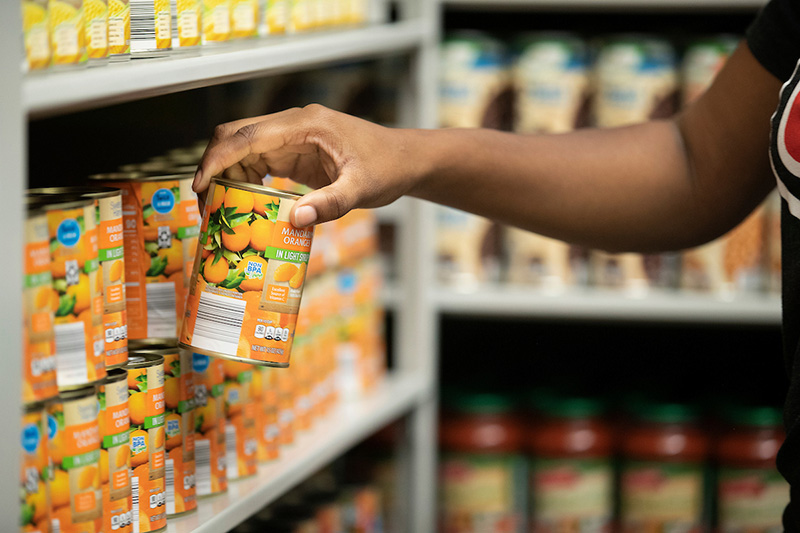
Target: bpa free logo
x,y
254,270
163,201
69,232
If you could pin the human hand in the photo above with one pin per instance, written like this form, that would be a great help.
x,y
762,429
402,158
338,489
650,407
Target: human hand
x,y
350,162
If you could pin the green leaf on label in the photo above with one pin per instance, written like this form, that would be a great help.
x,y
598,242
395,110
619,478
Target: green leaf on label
x,y
218,239
101,398
151,248
60,285
217,256
238,219
272,216
147,210
229,211
232,257
176,368
66,303
249,253
227,229
54,244
177,192
157,266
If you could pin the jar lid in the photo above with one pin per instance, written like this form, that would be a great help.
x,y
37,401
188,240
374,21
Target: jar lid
x,y
665,413
572,406
478,402
757,416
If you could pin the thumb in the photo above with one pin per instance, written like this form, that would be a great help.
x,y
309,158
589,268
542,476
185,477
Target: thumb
x,y
328,203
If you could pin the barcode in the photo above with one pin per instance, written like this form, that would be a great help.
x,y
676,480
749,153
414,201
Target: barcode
x,y
55,526
219,323
230,451
169,480
71,354
135,502
161,319
146,24
202,461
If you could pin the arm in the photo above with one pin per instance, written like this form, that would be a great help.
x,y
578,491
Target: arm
x,y
654,186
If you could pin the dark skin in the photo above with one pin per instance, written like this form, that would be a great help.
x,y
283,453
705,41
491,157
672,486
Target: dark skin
x,y
662,185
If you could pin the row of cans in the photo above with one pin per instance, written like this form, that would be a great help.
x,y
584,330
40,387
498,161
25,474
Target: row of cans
x,y
69,33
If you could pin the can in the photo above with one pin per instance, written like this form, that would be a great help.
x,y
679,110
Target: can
x,y
67,43
286,407
244,19
80,350
119,30
95,17
35,34
111,263
243,306
241,440
161,223
702,61
34,474
266,391
151,28
74,449
216,21
185,25
179,423
147,441
39,360
115,456
276,17
209,443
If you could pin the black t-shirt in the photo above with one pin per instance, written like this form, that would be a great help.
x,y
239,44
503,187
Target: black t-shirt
x,y
774,39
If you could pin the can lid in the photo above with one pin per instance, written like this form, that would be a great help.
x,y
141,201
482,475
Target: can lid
x,y
139,176
153,343
115,375
755,416
478,402
32,407
77,394
83,191
116,176
143,360
665,412
52,202
262,189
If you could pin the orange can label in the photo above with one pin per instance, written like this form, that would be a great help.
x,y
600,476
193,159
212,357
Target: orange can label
x,y
74,447
157,230
209,440
179,426
248,278
34,477
241,440
111,255
115,456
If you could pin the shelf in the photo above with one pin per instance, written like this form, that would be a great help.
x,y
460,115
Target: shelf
x,y
64,92
643,5
600,304
348,424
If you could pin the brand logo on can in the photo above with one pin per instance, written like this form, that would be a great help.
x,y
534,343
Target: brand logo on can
x,y
199,362
30,438
163,201
52,427
69,232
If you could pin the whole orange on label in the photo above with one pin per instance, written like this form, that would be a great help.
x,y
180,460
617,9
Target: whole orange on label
x,y
210,449
249,274
115,456
240,413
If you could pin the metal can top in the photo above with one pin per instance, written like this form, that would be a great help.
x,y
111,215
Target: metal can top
x,y
116,176
82,191
32,407
77,394
152,343
115,375
139,177
143,360
48,203
262,189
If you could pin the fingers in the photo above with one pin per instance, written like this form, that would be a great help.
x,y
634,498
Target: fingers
x,y
322,205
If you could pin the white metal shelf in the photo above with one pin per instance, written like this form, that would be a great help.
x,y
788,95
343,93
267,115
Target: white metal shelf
x,y
65,92
349,423
608,304
638,5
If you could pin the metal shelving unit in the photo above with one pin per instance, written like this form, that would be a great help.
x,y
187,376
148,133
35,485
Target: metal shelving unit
x,y
616,5
408,390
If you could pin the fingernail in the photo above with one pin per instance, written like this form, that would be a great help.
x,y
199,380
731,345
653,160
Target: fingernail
x,y
197,177
305,215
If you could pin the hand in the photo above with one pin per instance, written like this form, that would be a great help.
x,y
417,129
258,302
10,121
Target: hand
x,y
350,162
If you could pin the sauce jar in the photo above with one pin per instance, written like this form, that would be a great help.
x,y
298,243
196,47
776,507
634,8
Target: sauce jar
x,y
751,494
663,469
571,470
482,472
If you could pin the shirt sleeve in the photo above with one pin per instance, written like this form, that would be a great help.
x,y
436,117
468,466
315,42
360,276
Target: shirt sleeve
x,y
774,37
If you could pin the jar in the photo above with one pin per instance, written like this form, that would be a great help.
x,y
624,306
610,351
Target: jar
x,y
482,470
571,470
663,470
751,494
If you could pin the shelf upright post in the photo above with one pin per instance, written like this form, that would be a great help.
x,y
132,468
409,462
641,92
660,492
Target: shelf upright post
x,y
417,319
13,133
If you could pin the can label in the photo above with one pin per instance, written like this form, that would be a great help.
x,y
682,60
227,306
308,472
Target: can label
x,y
95,16
115,456
80,350
277,15
67,41
34,475
241,441
751,499
216,21
248,277
147,441
286,405
265,381
35,34
187,21
111,255
179,429
244,19
151,26
39,299
209,444
160,233
74,446
119,27
661,496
